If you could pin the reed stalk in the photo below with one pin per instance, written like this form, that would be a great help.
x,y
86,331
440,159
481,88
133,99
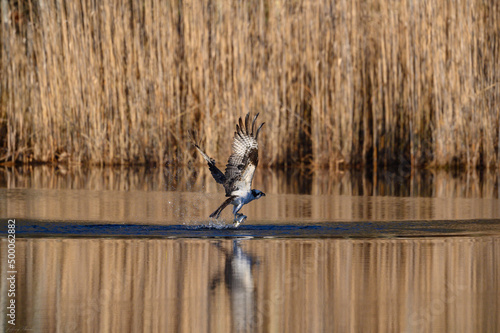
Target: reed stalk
x,y
365,82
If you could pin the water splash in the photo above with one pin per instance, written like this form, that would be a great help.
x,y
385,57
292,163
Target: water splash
x,y
211,224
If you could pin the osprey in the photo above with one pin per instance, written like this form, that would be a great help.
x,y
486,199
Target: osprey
x,y
240,168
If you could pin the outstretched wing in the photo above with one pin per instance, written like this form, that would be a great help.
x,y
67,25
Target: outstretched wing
x,y
243,161
216,173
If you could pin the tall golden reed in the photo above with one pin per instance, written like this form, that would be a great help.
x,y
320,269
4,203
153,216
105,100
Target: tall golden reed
x,y
364,82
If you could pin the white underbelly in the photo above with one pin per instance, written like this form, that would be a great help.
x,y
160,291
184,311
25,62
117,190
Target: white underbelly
x,y
243,198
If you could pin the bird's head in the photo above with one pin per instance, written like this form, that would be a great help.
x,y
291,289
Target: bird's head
x,y
257,194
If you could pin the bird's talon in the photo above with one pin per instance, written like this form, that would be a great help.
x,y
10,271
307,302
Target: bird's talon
x,y
239,220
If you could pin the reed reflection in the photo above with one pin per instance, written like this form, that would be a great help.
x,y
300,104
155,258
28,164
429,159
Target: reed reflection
x,y
183,196
399,183
427,284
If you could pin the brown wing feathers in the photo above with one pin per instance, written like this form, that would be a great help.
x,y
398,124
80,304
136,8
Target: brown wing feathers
x,y
241,165
216,173
244,159
240,130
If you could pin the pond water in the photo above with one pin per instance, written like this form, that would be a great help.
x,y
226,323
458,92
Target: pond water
x,y
132,249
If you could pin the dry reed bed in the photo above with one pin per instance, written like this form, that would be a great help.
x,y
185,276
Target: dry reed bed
x,y
375,82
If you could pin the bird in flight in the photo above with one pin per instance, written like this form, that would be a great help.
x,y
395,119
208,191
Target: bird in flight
x,y
240,169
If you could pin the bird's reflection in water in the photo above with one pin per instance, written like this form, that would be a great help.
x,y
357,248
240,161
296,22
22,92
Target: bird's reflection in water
x,y
239,281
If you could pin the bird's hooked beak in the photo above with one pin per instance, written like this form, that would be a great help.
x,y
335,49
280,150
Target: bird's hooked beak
x,y
263,194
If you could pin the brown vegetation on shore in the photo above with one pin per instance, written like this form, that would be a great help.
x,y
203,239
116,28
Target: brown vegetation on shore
x,y
373,83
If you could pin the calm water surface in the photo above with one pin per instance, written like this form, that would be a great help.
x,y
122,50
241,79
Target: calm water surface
x,y
131,250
